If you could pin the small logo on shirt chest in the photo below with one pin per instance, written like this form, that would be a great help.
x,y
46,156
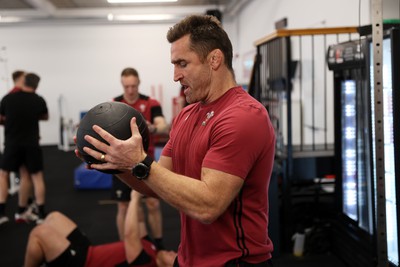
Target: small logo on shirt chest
x,y
142,108
209,115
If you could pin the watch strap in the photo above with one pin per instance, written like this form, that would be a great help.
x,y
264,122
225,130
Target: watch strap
x,y
148,161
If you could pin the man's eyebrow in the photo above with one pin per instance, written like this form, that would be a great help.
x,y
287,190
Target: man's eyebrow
x,y
177,61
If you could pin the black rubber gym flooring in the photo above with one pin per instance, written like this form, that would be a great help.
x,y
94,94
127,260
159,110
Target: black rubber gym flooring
x,y
95,214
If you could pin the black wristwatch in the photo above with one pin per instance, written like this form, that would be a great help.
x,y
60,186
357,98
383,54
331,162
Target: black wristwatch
x,y
142,169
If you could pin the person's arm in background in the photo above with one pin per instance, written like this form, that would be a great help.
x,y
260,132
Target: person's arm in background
x,y
2,119
44,117
2,113
158,125
134,228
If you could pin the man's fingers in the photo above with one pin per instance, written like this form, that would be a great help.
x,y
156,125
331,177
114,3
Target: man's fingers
x,y
104,134
134,127
100,146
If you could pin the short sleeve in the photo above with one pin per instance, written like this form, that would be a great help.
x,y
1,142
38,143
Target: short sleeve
x,y
238,140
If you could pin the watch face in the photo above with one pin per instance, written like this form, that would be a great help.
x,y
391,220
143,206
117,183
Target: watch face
x,y
141,171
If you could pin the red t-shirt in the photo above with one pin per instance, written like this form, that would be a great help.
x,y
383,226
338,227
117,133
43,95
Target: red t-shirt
x,y
112,254
150,108
232,134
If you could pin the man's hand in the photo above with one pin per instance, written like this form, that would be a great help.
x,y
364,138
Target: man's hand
x,y
152,127
118,154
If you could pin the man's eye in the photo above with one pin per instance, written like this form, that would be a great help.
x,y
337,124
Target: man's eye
x,y
182,64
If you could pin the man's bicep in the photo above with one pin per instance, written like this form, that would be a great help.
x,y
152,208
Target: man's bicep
x,y
160,120
223,186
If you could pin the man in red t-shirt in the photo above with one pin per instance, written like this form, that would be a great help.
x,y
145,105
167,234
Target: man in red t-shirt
x,y
58,242
217,164
152,112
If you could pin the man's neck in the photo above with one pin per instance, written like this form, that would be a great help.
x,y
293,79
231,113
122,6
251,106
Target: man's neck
x,y
221,86
131,100
27,89
19,85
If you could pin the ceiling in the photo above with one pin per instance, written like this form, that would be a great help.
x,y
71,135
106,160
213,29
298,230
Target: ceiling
x,y
79,11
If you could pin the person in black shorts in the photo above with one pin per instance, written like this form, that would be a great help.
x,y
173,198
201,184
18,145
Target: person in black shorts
x,y
59,242
26,206
20,113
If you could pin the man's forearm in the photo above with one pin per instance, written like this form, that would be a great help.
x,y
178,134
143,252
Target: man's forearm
x,y
131,221
204,200
135,184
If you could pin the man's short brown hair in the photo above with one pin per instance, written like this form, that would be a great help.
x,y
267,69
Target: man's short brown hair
x,y
17,74
129,72
32,80
206,34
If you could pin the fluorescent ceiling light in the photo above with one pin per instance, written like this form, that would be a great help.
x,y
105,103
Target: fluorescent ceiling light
x,y
139,1
148,17
9,19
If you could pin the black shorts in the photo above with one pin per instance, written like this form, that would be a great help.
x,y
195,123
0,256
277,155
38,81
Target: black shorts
x,y
120,191
16,156
75,255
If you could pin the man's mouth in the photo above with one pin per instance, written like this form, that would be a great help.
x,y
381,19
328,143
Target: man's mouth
x,y
185,88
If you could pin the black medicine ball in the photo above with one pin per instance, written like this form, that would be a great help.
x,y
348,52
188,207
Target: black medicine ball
x,y
114,117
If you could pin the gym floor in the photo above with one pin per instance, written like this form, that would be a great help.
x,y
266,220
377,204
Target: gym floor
x,y
93,211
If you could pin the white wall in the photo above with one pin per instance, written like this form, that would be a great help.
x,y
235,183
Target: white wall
x,y
83,62
257,20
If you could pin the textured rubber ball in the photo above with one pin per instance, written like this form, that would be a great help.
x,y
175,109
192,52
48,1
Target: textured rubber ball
x,y
114,117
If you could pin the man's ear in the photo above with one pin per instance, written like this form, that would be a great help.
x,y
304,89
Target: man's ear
x,y
216,58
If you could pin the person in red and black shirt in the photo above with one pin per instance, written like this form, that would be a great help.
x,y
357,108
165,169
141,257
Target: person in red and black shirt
x,y
58,242
152,112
